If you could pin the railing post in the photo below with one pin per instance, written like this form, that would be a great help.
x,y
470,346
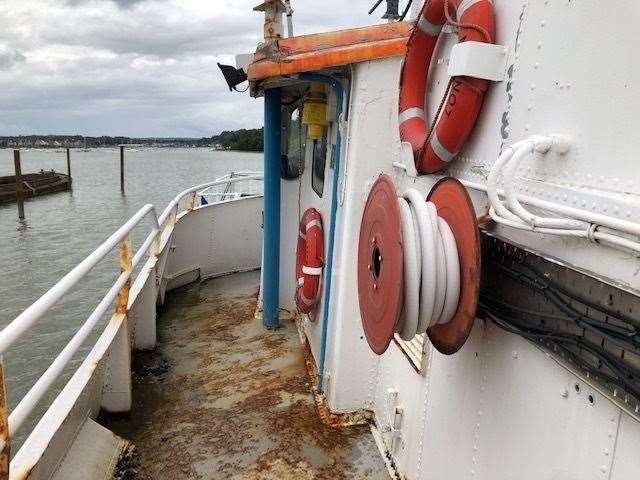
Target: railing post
x,y
5,443
19,191
122,168
271,243
117,388
192,201
126,258
142,313
69,163
157,242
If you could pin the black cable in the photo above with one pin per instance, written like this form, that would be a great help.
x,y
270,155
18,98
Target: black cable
x,y
627,339
406,10
543,330
579,298
373,9
595,349
621,381
591,369
613,363
516,309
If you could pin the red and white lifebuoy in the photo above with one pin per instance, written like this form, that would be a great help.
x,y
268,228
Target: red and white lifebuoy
x,y
309,261
434,149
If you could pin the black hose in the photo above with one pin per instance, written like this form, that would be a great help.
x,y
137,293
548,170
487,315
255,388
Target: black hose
x,y
615,364
625,338
579,298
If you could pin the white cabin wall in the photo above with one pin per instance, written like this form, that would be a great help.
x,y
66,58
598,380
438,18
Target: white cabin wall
x,y
416,6
502,408
291,191
565,81
496,409
370,147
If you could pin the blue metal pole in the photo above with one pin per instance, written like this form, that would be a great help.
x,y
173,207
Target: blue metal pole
x,y
328,272
271,239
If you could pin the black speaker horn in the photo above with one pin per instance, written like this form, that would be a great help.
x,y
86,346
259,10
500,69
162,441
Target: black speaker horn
x,y
234,76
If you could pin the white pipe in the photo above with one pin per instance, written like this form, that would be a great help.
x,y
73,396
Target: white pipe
x,y
580,224
596,236
515,206
35,311
591,217
492,182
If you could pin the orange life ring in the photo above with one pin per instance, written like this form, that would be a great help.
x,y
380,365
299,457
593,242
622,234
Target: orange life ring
x,y
433,150
309,260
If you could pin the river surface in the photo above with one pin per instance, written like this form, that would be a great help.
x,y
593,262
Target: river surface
x,y
63,228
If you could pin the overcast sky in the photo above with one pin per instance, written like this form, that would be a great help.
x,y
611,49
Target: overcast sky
x,y
137,67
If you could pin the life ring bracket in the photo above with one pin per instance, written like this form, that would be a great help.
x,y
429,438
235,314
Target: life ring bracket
x,y
486,61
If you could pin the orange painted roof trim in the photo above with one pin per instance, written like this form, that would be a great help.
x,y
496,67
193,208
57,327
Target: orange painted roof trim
x,y
314,52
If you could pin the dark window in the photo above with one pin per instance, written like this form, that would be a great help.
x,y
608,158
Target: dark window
x,y
294,136
319,163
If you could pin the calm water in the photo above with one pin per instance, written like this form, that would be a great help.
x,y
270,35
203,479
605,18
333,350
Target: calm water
x,y
61,229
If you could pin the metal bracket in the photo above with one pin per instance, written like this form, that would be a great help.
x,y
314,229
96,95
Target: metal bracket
x,y
407,162
478,60
243,61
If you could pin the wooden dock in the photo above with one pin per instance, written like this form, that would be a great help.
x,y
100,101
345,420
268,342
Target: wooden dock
x,y
34,184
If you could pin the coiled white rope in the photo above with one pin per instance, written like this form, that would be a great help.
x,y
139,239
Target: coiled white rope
x,y
431,266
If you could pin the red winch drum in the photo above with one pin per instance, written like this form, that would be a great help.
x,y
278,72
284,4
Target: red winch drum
x,y
381,265
456,208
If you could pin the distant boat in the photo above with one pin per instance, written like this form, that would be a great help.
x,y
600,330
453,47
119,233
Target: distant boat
x,y
34,184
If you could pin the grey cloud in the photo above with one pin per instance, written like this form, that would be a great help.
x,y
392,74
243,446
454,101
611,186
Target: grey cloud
x,y
136,67
8,58
156,37
120,3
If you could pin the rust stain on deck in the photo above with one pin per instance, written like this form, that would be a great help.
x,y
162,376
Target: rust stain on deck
x,y
223,398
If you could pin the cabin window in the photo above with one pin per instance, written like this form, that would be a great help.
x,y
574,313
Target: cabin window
x,y
294,135
319,163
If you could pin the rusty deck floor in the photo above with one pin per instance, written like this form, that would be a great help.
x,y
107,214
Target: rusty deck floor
x,y
223,398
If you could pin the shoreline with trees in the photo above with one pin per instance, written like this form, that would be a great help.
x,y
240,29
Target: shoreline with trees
x,y
244,140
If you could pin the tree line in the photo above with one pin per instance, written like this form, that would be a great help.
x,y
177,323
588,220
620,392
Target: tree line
x,y
244,140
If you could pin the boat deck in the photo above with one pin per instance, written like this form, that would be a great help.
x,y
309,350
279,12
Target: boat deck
x,y
223,398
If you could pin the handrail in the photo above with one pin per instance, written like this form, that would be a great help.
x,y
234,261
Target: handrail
x,y
30,316
23,322
36,310
174,203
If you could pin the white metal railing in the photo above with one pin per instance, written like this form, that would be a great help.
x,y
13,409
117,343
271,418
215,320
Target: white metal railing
x,y
119,293
226,192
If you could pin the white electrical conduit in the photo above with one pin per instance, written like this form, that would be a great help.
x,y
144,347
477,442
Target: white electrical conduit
x,y
431,266
529,148
583,224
